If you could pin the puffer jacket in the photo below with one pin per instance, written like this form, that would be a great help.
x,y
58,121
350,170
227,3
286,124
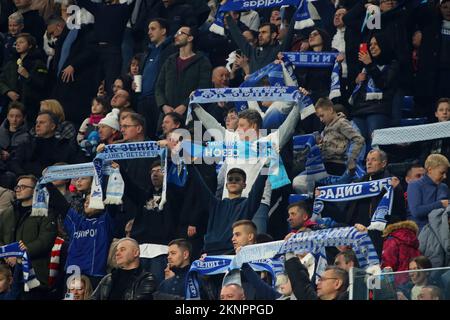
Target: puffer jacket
x,y
142,288
434,238
11,142
337,136
399,247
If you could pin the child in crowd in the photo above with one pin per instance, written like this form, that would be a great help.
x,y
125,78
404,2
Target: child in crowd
x,y
340,143
429,192
99,109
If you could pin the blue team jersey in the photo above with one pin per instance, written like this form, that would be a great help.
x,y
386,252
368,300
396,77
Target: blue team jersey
x,y
89,241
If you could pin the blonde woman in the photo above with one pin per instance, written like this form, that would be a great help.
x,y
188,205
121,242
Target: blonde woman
x,y
65,129
78,288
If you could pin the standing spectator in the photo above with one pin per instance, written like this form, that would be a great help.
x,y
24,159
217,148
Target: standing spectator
x,y
299,214
415,172
33,22
36,234
24,79
178,13
429,192
129,281
159,50
73,68
181,74
268,47
346,260
373,112
110,22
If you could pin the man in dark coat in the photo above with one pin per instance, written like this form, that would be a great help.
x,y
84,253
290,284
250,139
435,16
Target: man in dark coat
x,y
181,74
74,70
33,22
45,149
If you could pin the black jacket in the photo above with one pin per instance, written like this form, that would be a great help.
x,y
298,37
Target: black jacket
x,y
259,57
39,153
302,286
141,288
179,14
76,96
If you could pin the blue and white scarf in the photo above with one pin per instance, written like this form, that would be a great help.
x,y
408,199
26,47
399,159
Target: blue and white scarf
x,y
122,151
212,265
313,59
315,171
29,276
302,16
372,92
312,242
245,151
356,191
61,172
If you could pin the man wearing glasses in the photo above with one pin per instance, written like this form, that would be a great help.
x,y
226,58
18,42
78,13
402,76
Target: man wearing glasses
x,y
181,74
332,284
36,235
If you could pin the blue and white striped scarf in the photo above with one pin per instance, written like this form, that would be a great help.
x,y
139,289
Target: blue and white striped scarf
x,y
212,265
355,191
372,92
29,276
315,171
122,151
61,172
313,59
312,242
302,16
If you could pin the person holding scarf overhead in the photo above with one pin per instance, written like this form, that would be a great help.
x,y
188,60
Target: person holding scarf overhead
x,y
376,85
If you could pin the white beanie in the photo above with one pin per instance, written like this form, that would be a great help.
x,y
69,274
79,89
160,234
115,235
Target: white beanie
x,y
112,119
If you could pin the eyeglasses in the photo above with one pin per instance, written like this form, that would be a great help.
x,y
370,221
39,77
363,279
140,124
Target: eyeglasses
x,y
126,126
321,279
20,187
234,179
179,33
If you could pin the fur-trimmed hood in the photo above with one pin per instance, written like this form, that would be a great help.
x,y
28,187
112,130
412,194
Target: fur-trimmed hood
x,y
408,224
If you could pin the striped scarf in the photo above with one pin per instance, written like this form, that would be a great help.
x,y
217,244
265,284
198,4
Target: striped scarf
x,y
55,259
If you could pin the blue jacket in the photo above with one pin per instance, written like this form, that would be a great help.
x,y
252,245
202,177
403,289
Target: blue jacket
x,y
89,241
423,197
176,284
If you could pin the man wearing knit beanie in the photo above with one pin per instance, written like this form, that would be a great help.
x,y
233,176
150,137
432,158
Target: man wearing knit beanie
x,y
109,128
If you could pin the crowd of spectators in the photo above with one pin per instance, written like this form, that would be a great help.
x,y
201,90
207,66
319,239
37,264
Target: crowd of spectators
x,y
125,73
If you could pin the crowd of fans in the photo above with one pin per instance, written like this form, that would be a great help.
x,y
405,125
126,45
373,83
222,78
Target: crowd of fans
x,y
126,73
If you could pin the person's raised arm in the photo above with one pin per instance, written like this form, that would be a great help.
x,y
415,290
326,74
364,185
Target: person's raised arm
x,y
298,275
209,122
238,38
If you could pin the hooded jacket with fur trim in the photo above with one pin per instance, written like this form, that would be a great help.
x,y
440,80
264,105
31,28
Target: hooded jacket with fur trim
x,y
399,247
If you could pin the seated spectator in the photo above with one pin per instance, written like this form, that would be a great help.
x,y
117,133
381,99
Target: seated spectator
x,y
40,152
99,109
121,99
434,236
10,287
299,214
346,260
429,192
13,133
340,143
6,199
179,263
78,288
419,279
109,128
399,247
332,284
232,291
440,146
129,281
415,172
65,129
24,79
430,293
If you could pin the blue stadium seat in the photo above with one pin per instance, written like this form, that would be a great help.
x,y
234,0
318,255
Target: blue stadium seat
x,y
412,121
297,197
408,104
